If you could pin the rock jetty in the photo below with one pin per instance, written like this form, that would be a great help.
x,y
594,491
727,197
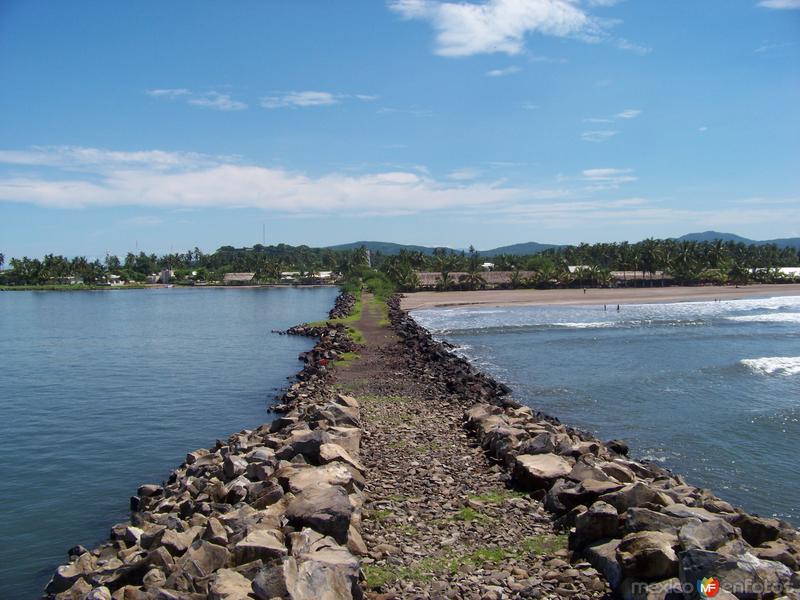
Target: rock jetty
x,y
407,473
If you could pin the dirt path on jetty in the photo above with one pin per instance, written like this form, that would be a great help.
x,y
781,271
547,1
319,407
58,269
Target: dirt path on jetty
x,y
439,520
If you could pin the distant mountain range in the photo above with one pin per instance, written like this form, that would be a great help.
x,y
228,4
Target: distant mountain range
x,y
529,248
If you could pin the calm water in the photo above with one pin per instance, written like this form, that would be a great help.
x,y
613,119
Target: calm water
x,y
103,391
709,389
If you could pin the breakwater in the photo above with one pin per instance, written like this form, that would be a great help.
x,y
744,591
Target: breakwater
x,y
277,512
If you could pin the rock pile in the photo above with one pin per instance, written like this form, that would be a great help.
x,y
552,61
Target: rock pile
x,y
268,514
646,530
343,306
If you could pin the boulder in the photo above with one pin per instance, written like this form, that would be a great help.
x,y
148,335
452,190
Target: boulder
x,y
668,589
203,558
295,479
215,532
263,544
99,593
781,551
539,471
323,507
745,575
708,535
67,575
306,443
755,530
348,438
602,556
601,521
321,564
270,582
644,519
335,453
687,512
178,542
227,584
648,555
541,443
635,494
233,466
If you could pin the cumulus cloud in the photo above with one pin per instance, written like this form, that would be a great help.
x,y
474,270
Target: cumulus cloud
x,y
212,99
464,29
781,4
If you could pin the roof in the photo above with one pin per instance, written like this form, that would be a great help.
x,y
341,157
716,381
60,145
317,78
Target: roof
x,y
238,277
490,277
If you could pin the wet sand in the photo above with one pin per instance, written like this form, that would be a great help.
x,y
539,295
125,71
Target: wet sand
x,y
594,296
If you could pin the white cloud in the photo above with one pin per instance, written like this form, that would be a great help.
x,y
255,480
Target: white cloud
x,y
464,29
702,129
464,174
217,101
101,160
628,113
781,4
606,178
598,136
310,98
530,106
503,72
212,99
125,179
299,99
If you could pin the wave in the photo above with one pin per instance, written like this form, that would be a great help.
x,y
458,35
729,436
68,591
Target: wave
x,y
773,365
769,318
594,325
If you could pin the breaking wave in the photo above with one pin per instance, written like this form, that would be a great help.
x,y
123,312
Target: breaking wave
x,y
774,365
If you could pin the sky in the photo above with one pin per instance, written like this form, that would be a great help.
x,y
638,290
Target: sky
x,y
161,126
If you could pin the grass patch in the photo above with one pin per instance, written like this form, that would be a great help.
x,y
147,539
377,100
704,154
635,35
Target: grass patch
x,y
379,304
349,321
498,496
346,359
469,515
381,515
379,576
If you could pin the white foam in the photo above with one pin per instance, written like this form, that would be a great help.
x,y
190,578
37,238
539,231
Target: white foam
x,y
774,365
771,318
594,325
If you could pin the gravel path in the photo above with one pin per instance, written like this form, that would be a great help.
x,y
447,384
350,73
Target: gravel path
x,y
439,519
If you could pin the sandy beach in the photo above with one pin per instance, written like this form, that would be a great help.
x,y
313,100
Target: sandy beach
x,y
593,296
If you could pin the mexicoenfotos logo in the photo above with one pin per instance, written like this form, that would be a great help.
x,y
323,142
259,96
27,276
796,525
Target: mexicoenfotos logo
x,y
708,587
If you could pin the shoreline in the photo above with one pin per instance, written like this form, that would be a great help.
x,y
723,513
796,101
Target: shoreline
x,y
592,296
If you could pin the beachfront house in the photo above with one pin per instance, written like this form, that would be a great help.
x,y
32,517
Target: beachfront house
x,y
238,278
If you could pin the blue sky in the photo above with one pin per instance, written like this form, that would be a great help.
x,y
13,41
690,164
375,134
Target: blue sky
x,y
159,125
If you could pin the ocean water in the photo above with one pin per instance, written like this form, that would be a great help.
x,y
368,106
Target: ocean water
x,y
710,390
103,391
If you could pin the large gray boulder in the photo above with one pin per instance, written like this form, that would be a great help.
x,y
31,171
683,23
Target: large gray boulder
x,y
636,494
648,555
601,521
540,471
323,507
746,576
602,555
644,519
320,569
227,584
263,544
708,535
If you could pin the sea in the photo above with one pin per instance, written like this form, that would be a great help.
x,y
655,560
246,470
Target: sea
x,y
103,391
710,390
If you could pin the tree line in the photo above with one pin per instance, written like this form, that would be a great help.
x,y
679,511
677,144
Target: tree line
x,y
685,262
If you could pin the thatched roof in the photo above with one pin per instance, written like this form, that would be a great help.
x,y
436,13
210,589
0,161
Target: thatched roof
x,y
429,279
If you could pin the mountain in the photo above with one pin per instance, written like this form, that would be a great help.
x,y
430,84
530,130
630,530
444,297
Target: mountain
x,y
519,249
529,248
390,248
710,236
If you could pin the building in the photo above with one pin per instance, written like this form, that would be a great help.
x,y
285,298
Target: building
x,y
492,278
238,278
